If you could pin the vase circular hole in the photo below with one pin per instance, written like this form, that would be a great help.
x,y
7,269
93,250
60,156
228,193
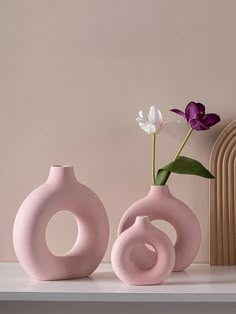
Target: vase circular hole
x,y
135,254
167,228
57,243
150,247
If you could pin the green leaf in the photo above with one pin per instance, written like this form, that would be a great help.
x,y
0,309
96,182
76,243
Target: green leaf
x,y
182,165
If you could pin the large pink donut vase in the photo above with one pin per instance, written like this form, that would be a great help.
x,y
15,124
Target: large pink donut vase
x,y
61,191
142,231
159,204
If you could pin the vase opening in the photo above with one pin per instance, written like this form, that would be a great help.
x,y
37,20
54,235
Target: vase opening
x,y
142,217
159,190
62,166
160,187
59,174
54,233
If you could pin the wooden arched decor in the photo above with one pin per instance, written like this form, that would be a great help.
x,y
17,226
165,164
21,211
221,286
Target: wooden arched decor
x,y
223,198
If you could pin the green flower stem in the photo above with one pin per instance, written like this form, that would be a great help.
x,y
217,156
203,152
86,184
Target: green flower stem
x,y
166,174
183,144
154,159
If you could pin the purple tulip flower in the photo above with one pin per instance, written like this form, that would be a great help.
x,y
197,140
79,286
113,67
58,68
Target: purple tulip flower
x,y
196,117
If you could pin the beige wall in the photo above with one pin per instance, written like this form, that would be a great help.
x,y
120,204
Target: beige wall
x,y
72,77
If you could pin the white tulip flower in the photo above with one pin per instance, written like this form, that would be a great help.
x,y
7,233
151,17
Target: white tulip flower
x,y
154,124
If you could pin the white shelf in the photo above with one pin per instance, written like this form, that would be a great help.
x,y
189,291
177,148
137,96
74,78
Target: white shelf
x,y
200,283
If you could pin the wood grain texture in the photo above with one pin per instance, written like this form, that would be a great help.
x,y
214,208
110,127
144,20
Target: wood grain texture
x,y
223,198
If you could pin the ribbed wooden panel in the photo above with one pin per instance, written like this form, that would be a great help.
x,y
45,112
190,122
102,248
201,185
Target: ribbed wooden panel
x,y
223,198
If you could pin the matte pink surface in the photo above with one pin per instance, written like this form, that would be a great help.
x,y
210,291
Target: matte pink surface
x,y
60,192
160,204
142,231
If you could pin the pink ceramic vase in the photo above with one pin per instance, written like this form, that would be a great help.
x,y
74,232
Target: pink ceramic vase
x,y
143,232
159,204
61,191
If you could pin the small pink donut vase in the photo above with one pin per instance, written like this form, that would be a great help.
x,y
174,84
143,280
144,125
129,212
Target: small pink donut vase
x,y
142,231
61,191
159,204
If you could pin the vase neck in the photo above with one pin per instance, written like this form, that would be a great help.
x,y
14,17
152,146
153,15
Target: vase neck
x,y
142,221
61,174
159,191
